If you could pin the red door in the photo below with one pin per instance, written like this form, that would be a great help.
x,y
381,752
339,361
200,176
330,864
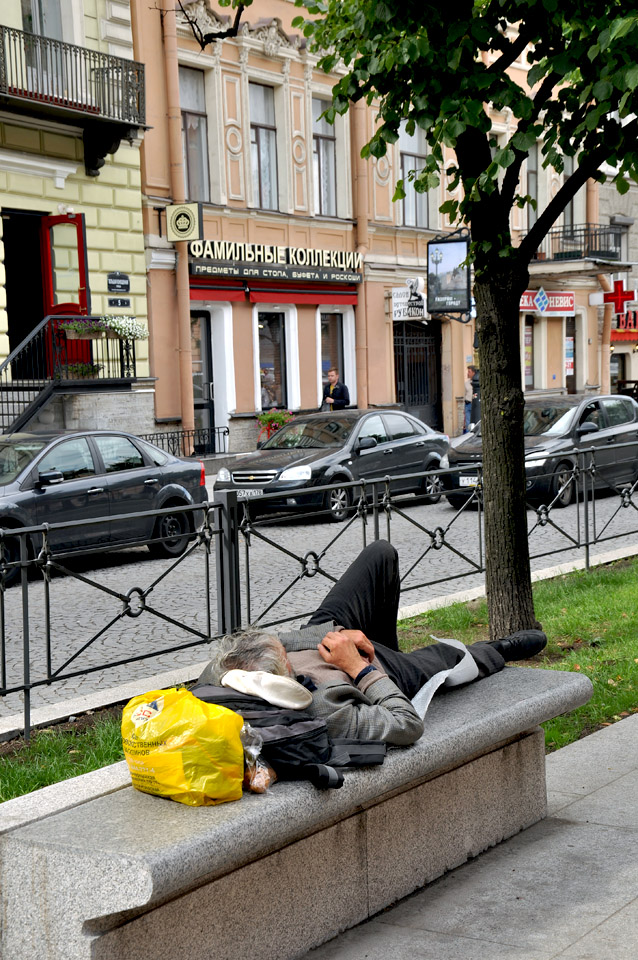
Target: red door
x,y
65,277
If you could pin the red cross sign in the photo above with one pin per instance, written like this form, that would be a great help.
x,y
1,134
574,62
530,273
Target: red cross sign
x,y
619,297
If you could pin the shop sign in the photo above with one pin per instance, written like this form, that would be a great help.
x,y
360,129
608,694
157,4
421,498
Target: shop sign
x,y
448,276
118,282
184,222
407,302
225,258
549,303
628,321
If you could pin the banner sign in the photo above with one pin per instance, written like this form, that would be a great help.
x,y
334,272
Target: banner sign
x,y
549,303
226,258
407,304
448,276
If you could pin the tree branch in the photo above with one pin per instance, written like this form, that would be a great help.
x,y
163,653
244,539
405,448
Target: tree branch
x,y
512,174
204,39
512,51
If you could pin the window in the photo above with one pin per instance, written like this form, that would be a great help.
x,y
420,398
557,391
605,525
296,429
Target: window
x,y
194,135
568,214
331,345
413,153
532,184
272,360
324,161
399,427
118,453
373,427
618,412
71,457
617,363
43,17
263,146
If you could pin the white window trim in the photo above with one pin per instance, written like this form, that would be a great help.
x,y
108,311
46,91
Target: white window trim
x,y
291,328
221,332
349,372
34,165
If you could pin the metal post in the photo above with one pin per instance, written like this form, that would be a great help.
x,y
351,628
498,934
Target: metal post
x,y
227,555
586,509
26,655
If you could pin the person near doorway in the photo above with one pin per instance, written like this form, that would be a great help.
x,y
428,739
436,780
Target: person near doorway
x,y
335,393
469,393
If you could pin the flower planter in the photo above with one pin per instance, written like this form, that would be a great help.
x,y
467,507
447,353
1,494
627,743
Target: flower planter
x,y
83,335
112,335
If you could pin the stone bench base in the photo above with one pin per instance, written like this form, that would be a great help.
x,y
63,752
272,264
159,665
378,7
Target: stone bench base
x,y
123,874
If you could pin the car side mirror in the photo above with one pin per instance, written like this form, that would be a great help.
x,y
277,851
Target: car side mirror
x,y
366,443
587,427
48,477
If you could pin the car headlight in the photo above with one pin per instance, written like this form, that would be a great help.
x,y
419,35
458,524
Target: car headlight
x,y
296,473
445,462
224,475
537,457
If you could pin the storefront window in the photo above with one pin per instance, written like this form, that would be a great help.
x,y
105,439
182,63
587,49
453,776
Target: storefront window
x,y
529,353
272,360
331,344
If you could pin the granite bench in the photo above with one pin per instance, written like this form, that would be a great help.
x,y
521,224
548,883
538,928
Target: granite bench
x,y
92,869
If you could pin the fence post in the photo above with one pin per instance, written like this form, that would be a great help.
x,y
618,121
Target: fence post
x,y
227,556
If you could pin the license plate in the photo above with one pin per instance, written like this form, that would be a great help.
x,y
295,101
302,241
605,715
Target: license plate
x,y
467,481
249,494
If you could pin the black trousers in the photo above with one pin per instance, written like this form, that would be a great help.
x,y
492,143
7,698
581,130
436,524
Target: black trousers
x,y
366,598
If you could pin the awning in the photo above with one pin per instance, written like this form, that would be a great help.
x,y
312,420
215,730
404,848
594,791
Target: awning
x,y
263,292
624,336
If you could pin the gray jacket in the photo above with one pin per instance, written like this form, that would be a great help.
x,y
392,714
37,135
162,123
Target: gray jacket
x,y
374,709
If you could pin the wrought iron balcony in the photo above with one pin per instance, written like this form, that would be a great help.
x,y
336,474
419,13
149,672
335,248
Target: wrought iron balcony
x,y
597,241
101,93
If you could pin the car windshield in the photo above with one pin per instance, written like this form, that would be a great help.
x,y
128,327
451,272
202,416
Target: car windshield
x,y
322,432
554,419
16,454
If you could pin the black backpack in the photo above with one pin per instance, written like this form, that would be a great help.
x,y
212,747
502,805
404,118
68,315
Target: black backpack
x,y
295,744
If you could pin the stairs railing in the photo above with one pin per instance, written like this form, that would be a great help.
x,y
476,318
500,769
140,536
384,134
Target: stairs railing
x,y
51,360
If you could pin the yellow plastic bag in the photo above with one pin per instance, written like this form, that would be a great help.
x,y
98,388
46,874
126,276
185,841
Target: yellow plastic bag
x,y
180,747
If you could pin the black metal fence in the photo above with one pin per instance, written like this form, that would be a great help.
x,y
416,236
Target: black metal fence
x,y
201,442
263,568
62,75
596,240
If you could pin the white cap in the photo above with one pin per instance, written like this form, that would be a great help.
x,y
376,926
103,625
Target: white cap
x,y
278,690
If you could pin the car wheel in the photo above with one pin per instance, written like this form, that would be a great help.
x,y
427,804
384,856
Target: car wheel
x,y
170,535
456,501
431,488
12,555
337,502
562,488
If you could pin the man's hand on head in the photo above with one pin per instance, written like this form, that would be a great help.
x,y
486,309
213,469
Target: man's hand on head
x,y
341,650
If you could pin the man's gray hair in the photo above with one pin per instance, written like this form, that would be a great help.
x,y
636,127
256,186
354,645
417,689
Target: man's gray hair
x,y
248,650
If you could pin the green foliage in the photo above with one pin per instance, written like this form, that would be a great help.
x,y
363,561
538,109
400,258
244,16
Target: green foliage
x,y
422,64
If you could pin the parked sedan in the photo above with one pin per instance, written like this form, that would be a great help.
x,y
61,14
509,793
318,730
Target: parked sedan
x,y
334,448
82,476
554,427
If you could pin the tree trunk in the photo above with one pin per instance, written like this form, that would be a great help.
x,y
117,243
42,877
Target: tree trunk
x,y
507,577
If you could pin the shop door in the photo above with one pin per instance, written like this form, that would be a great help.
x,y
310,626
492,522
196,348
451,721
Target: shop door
x,y
417,365
65,278
203,386
571,359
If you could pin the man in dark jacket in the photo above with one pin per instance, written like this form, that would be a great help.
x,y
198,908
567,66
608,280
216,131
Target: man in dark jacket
x,y
335,393
348,655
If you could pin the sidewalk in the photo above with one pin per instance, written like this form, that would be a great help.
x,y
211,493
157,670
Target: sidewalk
x,y
566,888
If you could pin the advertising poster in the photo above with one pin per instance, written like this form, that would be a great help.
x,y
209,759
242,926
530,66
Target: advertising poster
x,y
448,277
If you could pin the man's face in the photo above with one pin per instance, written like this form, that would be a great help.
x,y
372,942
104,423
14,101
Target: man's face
x,y
333,376
470,373
291,672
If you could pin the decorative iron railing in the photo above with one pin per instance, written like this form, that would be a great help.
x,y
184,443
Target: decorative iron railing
x,y
48,359
201,442
594,240
69,77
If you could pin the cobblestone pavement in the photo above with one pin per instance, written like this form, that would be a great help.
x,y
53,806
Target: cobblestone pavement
x,y
434,543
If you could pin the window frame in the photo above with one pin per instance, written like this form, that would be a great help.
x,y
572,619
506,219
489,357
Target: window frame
x,y
185,114
318,141
269,129
282,359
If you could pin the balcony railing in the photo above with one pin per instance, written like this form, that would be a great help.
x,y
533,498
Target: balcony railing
x,y
63,76
594,240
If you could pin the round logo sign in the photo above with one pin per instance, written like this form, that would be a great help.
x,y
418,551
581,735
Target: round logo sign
x,y
182,222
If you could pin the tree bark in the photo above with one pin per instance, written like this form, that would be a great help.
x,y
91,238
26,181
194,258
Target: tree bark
x,y
508,586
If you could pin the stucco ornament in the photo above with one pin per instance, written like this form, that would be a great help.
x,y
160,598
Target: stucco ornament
x,y
204,17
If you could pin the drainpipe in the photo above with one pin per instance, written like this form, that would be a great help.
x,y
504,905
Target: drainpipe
x,y
176,162
361,211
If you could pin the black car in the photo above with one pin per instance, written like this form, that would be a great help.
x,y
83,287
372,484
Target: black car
x,y
334,448
554,427
82,476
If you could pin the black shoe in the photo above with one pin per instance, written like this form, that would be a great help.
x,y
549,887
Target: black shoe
x,y
521,645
